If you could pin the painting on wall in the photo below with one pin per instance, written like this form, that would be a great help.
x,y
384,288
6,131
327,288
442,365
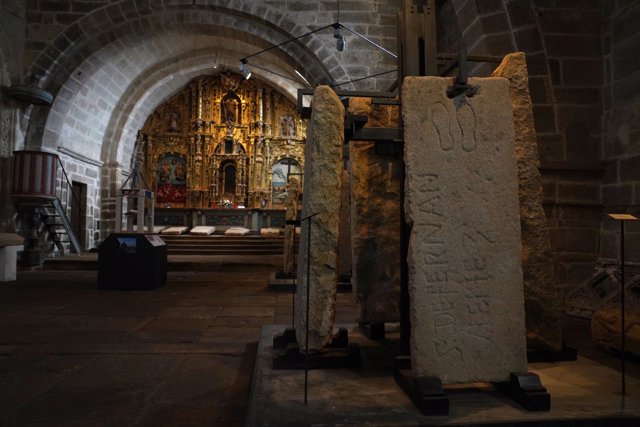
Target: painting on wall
x,y
171,179
280,175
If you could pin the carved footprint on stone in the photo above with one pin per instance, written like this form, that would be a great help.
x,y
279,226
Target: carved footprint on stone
x,y
440,120
467,120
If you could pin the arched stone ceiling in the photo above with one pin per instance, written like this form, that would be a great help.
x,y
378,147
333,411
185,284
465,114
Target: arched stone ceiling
x,y
113,75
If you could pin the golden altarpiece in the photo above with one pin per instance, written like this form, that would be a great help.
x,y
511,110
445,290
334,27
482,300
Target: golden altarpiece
x,y
223,142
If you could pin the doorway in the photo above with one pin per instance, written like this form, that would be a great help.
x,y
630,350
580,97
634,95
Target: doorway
x,y
79,211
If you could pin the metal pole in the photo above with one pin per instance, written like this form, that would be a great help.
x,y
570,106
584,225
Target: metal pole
x,y
293,283
306,337
623,344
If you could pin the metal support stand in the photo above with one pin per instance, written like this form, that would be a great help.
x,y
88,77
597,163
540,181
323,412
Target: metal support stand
x,y
428,393
425,392
306,323
623,333
526,390
373,331
337,354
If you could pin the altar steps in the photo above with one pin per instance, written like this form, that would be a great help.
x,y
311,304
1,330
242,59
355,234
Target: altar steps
x,y
223,245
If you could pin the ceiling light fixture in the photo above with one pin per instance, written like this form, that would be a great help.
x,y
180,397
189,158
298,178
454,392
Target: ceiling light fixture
x,y
302,77
341,43
244,69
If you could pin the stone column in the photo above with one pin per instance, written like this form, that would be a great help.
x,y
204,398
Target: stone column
x,y
465,275
375,220
541,300
322,182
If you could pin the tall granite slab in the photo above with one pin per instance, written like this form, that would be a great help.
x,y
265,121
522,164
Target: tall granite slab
x,y
461,202
322,190
542,303
375,219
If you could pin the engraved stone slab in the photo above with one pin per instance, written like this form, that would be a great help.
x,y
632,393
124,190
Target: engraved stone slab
x,y
542,303
375,220
461,202
322,190
606,326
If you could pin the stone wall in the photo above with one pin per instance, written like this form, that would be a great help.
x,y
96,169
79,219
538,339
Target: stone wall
x,y
563,44
86,173
11,46
621,189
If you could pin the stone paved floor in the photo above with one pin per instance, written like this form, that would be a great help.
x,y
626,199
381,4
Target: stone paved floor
x,y
181,355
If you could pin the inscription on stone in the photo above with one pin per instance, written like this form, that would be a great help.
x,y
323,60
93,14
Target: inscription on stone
x,y
461,202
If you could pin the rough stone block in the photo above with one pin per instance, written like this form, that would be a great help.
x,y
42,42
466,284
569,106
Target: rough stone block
x,y
461,201
542,305
322,189
375,219
606,328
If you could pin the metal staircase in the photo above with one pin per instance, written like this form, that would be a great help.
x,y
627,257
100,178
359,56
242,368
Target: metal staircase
x,y
59,228
44,195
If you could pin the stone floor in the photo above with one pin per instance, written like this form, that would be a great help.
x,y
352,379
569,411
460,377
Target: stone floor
x,y
181,355
184,355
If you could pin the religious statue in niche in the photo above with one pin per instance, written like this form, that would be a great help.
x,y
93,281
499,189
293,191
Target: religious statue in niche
x,y
172,179
281,172
174,122
291,213
229,106
287,126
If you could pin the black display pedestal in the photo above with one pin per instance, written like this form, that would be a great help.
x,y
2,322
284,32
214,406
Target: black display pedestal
x,y
337,354
373,331
130,261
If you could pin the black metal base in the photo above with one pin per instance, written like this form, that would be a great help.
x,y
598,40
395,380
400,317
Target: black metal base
x,y
281,283
344,288
428,395
337,354
288,336
373,331
425,392
567,354
526,389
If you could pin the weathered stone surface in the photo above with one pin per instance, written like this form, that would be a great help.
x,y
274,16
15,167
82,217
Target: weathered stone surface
x,y
322,182
542,303
461,202
344,238
606,326
375,221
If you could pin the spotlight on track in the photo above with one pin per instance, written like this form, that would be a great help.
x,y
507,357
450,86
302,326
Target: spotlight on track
x,y
341,43
244,69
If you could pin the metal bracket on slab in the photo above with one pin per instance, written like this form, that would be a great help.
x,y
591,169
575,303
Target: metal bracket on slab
x,y
526,389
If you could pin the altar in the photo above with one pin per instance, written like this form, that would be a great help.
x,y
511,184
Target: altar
x,y
222,219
